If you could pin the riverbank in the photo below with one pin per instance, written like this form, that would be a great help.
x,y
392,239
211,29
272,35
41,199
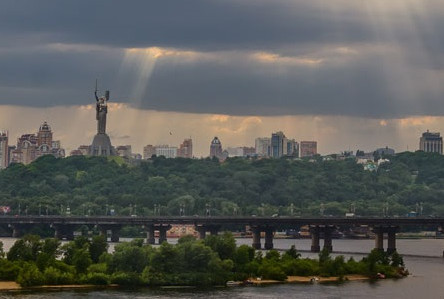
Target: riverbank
x,y
13,286
310,279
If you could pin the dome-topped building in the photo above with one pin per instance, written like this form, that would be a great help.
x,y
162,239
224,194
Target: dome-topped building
x,y
216,148
44,136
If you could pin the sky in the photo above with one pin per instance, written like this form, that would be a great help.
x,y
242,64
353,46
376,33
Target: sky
x,y
350,74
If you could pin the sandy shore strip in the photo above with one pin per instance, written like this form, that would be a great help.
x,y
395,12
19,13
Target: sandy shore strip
x,y
9,286
307,279
13,286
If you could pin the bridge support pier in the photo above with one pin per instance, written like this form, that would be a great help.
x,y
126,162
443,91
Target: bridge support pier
x,y
391,239
162,233
115,232
328,244
315,236
202,232
150,237
268,238
379,238
63,232
256,238
115,235
16,230
103,232
203,229
214,230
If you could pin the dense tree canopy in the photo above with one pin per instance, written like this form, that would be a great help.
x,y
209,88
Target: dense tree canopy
x,y
32,261
96,186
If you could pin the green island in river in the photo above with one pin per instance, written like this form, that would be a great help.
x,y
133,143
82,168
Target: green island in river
x,y
33,262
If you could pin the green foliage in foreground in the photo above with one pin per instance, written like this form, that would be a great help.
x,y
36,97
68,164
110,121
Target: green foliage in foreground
x,y
32,262
96,185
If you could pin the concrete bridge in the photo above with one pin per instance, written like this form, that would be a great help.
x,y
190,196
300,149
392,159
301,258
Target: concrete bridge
x,y
320,227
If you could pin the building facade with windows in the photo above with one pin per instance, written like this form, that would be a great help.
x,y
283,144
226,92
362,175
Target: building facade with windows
x,y
430,142
309,148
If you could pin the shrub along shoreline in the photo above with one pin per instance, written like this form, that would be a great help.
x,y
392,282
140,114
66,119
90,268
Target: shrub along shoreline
x,y
32,262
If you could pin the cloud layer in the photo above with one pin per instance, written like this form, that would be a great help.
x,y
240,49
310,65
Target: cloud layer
x,y
377,59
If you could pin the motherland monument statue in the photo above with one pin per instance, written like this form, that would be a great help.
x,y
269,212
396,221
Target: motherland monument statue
x,y
101,145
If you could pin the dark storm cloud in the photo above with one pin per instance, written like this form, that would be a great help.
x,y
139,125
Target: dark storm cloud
x,y
357,87
392,63
197,24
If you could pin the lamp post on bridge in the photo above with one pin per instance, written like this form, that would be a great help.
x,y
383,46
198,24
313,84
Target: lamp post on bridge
x,y
207,210
385,209
182,209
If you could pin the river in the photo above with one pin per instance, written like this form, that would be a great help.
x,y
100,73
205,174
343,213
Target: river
x,y
423,258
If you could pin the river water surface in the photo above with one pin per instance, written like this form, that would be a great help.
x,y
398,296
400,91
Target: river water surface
x,y
426,281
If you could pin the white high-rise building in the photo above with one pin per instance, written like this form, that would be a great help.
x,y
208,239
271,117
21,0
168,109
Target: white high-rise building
x,y
262,146
166,151
4,157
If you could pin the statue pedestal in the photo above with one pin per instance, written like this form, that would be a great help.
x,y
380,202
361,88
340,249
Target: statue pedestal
x,y
101,146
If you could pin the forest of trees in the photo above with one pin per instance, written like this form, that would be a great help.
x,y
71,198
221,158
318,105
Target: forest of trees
x,y
97,186
32,261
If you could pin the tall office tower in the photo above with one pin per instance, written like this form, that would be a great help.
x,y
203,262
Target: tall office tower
x,y
309,148
262,146
430,142
4,150
292,148
148,151
186,149
278,145
216,148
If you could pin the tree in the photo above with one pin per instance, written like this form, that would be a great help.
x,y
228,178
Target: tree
x,y
25,249
81,260
97,247
30,275
224,245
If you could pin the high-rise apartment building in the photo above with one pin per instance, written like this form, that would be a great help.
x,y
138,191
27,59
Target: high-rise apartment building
x,y
148,151
186,149
262,146
278,145
166,151
309,148
430,142
4,152
216,148
292,148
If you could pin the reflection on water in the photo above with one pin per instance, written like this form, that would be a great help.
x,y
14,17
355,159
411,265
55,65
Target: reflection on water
x,y
426,281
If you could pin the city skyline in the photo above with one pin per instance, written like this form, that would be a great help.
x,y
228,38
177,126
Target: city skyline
x,y
223,119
